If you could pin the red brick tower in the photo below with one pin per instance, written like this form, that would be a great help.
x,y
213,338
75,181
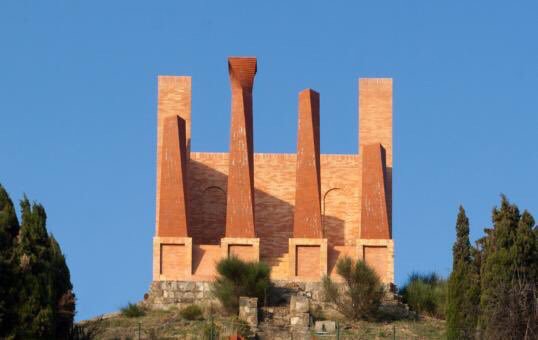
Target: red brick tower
x,y
240,230
307,216
307,248
375,244
375,127
172,246
173,125
240,199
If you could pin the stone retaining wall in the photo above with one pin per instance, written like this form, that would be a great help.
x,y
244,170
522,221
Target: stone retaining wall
x,y
165,294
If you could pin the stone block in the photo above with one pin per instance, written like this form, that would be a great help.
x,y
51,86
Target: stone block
x,y
248,310
300,320
325,326
299,304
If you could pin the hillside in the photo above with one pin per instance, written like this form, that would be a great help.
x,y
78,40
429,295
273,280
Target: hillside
x,y
170,325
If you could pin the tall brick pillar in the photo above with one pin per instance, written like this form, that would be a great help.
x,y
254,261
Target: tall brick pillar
x,y
172,248
307,217
375,123
307,248
240,232
375,245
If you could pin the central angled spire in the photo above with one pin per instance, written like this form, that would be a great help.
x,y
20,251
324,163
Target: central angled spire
x,y
240,196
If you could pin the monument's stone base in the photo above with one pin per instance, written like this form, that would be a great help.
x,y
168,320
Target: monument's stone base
x,y
166,294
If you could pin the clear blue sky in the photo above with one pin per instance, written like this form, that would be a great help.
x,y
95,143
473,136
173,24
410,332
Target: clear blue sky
x,y
78,111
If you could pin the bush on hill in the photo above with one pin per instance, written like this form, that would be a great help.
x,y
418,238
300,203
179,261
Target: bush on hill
x,y
426,294
362,293
239,278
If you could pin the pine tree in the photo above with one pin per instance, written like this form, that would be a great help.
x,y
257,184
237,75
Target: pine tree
x,y
9,228
508,275
463,285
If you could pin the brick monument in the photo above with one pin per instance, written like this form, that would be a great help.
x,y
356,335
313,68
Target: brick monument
x,y
299,213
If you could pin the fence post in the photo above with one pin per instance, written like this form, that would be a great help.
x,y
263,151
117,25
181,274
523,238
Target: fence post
x,y
393,332
337,330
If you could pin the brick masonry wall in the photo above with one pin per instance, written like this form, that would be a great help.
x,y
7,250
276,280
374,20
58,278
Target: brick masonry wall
x,y
275,185
378,258
174,260
274,181
308,265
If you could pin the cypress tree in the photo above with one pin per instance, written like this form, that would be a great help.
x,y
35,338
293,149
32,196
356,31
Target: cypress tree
x,y
508,275
9,228
463,285
35,297
63,291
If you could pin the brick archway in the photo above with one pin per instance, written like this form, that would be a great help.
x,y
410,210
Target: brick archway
x,y
214,214
334,203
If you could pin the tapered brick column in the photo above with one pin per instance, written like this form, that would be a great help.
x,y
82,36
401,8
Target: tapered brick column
x,y
307,248
374,215
307,217
240,233
172,211
240,197
172,248
375,123
375,245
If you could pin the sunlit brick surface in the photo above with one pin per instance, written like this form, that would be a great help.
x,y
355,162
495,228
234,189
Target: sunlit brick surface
x,y
307,262
173,261
255,206
377,257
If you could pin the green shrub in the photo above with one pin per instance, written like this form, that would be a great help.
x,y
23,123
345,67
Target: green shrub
x,y
239,278
361,295
426,294
132,310
191,312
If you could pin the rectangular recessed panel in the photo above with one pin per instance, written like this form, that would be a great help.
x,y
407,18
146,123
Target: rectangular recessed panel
x,y
377,258
174,261
243,252
308,261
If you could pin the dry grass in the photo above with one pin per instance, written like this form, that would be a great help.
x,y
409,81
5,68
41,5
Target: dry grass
x,y
170,325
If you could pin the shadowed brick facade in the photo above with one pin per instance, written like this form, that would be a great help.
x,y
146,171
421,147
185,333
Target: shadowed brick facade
x,y
297,212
